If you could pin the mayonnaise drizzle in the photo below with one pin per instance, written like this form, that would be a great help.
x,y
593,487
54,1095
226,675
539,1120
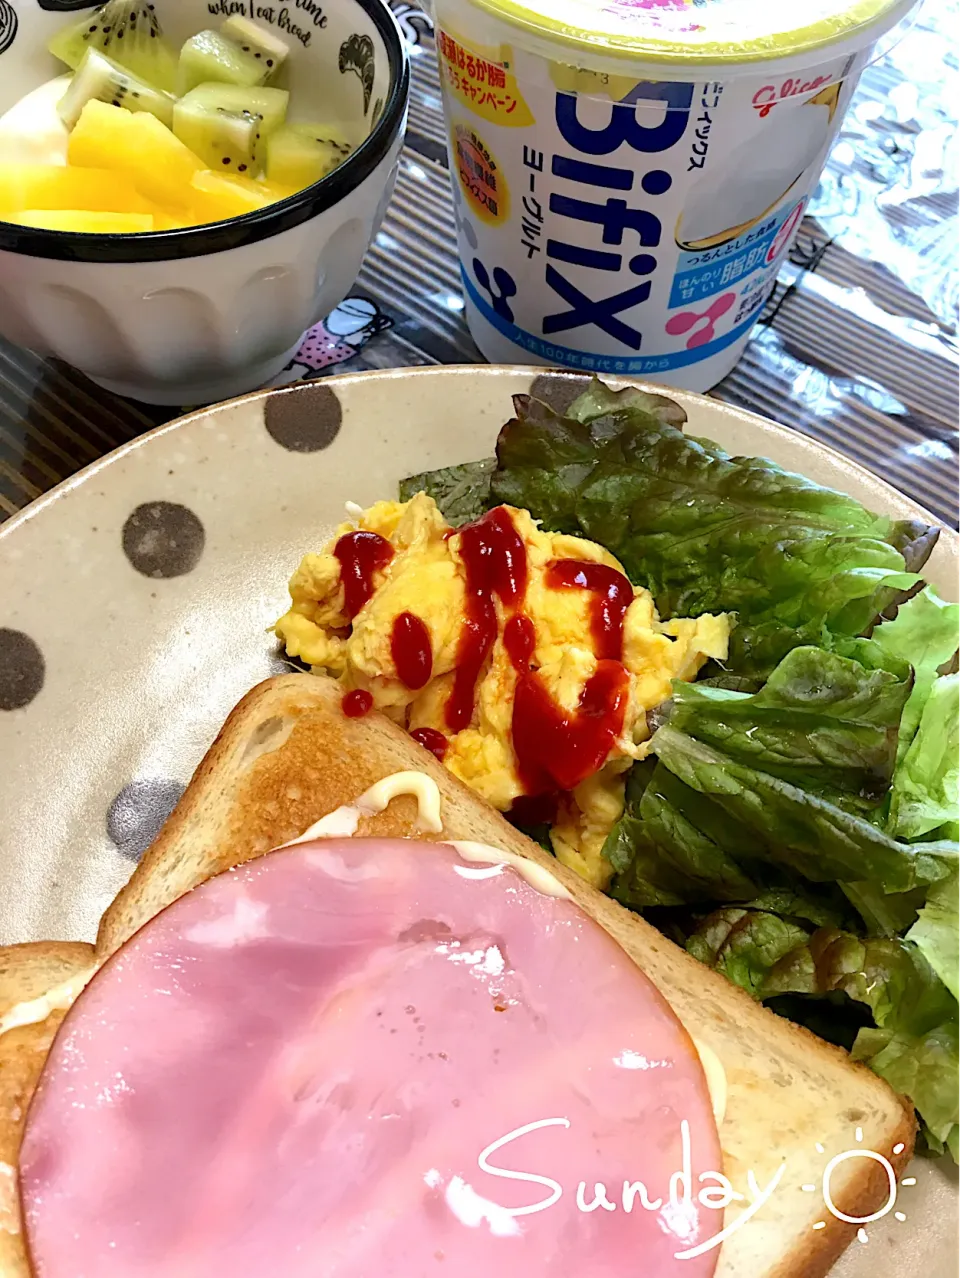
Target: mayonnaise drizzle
x,y
716,1077
343,822
538,876
34,1010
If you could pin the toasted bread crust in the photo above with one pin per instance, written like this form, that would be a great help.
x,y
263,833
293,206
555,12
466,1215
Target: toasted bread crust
x,y
30,970
287,756
26,973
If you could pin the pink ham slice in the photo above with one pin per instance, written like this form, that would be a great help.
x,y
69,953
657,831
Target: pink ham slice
x,y
292,1072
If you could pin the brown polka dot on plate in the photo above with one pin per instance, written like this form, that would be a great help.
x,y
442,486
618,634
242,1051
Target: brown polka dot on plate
x,y
21,669
559,390
163,539
303,419
136,815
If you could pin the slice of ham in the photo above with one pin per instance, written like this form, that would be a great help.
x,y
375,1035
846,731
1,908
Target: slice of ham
x,y
294,1069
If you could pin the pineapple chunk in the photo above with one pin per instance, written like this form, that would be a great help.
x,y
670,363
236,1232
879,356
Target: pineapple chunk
x,y
218,196
138,145
165,220
92,223
57,186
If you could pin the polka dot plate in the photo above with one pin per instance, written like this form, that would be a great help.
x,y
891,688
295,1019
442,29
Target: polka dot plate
x,y
135,601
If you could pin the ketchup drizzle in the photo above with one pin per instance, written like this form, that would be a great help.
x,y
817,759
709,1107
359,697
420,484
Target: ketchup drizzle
x,y
411,650
357,703
612,596
520,640
495,559
360,554
431,740
556,749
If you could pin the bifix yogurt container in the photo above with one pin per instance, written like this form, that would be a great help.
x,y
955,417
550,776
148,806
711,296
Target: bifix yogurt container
x,y
628,175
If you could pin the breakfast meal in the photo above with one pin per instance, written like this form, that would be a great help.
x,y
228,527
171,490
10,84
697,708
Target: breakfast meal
x,y
721,746
586,892
141,139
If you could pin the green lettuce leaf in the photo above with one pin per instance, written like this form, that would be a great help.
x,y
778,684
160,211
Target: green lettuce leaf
x,y
923,1067
885,914
745,944
777,792
669,848
924,632
935,932
796,828
890,975
926,785
821,722
461,492
599,401
707,532
810,904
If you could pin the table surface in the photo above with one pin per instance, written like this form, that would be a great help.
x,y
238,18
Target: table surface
x,y
857,345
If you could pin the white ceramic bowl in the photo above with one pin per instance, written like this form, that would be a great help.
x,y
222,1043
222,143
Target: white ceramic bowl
x,y
205,313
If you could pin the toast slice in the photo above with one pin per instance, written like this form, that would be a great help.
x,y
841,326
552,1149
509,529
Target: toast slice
x,y
287,756
27,972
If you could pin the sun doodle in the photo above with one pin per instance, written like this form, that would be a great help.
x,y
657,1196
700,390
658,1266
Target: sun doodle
x,y
873,1156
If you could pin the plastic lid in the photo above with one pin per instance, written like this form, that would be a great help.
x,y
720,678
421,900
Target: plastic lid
x,y
704,31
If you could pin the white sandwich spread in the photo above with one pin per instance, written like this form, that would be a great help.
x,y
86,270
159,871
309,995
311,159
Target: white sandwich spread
x,y
343,822
33,1011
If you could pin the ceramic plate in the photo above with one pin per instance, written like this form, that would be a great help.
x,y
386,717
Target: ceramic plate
x,y
134,606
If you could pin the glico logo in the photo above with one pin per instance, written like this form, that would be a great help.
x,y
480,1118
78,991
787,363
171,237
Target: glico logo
x,y
614,215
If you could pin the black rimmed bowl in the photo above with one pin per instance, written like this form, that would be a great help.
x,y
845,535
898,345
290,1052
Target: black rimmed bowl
x,y
205,313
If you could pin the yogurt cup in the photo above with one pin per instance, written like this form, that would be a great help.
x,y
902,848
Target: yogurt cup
x,y
628,175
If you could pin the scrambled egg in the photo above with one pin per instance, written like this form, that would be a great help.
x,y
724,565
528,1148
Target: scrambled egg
x,y
426,576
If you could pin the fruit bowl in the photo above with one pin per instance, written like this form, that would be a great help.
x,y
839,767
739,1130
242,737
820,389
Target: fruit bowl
x,y
205,312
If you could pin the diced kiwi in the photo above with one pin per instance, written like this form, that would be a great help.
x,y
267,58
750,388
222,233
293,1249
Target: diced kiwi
x,y
224,140
298,154
129,33
328,135
100,77
211,56
257,40
269,104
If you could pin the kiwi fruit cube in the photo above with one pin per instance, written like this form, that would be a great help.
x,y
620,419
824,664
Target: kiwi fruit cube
x,y
257,40
129,33
225,140
270,104
328,135
100,77
210,56
299,155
